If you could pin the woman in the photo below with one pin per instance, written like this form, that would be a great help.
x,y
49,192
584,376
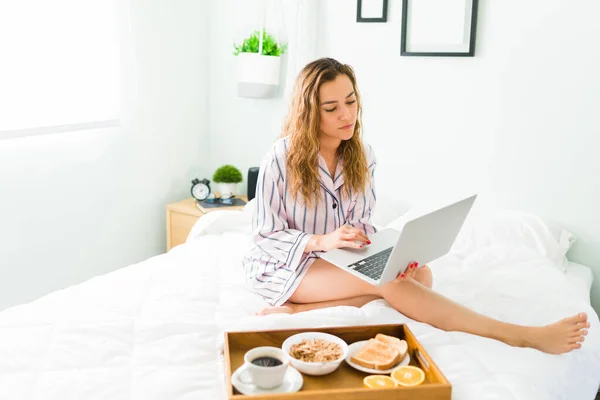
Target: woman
x,y
316,192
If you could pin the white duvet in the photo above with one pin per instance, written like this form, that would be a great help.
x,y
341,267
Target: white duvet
x,y
153,330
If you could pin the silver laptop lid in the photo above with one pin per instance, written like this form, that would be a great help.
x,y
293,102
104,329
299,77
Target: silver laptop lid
x,y
427,237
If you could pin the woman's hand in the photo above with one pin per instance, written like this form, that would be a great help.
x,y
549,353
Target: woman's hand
x,y
344,236
410,271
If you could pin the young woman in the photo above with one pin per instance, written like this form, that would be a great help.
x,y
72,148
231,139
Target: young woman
x,y
316,192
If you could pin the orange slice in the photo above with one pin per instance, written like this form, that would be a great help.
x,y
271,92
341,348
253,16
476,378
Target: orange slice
x,y
378,382
407,375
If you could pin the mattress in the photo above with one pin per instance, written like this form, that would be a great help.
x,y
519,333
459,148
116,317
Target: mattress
x,y
153,330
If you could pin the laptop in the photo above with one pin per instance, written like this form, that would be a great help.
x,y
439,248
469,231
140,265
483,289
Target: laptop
x,y
422,238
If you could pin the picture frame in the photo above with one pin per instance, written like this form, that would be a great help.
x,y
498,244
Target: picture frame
x,y
439,28
371,10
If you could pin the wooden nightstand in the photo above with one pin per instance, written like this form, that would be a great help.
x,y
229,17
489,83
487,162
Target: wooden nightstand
x,y
182,216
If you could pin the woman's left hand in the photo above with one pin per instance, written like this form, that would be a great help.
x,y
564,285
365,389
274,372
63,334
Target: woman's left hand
x,y
410,271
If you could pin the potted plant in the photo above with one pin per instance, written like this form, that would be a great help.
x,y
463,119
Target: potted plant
x,y
258,65
227,177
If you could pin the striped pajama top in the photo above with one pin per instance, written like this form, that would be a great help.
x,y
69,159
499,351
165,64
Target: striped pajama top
x,y
276,261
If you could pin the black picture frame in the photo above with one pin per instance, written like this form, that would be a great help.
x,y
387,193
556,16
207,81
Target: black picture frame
x,y
360,18
470,52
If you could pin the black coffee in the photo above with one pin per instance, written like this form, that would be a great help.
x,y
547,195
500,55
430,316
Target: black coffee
x,y
267,361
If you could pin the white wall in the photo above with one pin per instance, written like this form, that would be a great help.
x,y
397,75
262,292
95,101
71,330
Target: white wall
x,y
516,122
79,204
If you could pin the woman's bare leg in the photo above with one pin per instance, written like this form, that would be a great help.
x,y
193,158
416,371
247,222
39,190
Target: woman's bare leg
x,y
423,304
423,275
292,308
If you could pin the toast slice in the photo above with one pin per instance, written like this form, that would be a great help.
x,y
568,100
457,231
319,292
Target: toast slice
x,y
394,342
376,355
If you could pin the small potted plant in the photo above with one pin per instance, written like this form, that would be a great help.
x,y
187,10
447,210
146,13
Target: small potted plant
x,y
227,177
258,65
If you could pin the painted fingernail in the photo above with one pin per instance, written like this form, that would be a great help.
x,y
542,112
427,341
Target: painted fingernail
x,y
402,276
412,266
368,242
416,264
361,246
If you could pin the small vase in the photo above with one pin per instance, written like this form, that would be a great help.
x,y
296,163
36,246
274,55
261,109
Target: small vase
x,y
227,189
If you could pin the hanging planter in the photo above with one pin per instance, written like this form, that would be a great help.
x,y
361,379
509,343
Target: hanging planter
x,y
259,63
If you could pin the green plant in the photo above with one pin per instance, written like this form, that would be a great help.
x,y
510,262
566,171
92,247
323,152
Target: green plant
x,y
227,174
251,43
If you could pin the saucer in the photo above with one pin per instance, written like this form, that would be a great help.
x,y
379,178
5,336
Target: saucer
x,y
357,345
292,382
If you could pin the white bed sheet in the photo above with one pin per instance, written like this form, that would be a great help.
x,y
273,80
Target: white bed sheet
x,y
153,330
581,277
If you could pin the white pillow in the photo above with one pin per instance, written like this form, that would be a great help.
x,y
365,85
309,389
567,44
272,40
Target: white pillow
x,y
486,228
249,207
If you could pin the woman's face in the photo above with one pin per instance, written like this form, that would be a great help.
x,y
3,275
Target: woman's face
x,y
338,108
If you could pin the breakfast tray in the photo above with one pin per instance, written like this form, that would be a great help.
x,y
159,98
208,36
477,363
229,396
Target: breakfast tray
x,y
346,383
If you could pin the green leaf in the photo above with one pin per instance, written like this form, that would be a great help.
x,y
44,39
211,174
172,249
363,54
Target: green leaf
x,y
227,174
252,42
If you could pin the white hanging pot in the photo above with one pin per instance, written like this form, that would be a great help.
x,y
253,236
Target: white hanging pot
x,y
258,75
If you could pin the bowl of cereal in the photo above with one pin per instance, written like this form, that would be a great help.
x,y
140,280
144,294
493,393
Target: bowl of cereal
x,y
315,353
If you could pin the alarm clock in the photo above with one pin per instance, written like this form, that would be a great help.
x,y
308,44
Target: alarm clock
x,y
200,189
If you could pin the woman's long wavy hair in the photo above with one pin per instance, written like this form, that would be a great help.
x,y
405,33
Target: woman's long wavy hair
x,y
302,125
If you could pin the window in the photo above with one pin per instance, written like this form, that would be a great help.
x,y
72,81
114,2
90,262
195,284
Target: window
x,y
60,65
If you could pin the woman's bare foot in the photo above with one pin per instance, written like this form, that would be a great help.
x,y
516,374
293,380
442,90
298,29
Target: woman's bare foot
x,y
560,337
285,308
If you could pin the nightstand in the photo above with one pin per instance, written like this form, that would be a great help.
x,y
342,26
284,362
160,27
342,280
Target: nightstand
x,y
182,216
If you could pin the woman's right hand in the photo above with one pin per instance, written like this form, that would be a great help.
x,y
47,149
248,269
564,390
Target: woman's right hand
x,y
344,236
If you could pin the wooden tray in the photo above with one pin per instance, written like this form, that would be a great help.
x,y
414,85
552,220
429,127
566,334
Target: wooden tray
x,y
346,382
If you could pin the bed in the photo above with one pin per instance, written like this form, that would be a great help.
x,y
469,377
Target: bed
x,y
153,330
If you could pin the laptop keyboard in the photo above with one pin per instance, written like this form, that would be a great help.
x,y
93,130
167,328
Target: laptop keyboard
x,y
373,266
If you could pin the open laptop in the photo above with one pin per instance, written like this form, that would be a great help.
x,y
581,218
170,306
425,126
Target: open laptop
x,y
423,238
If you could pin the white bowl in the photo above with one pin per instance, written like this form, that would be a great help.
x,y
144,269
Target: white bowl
x,y
314,368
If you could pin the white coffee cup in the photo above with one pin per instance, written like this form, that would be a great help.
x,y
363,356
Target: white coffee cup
x,y
260,376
